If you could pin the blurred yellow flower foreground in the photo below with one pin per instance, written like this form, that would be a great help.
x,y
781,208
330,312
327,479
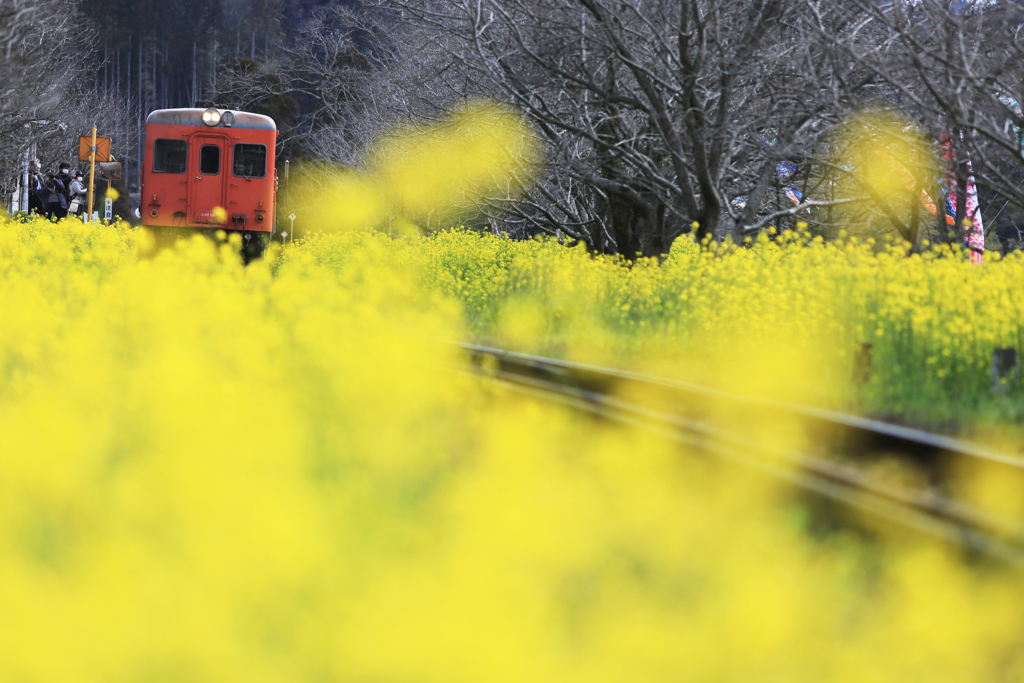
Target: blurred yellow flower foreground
x,y
212,473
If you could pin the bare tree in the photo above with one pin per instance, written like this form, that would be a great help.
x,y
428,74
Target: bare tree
x,y
263,88
34,36
342,54
47,94
331,67
958,69
660,117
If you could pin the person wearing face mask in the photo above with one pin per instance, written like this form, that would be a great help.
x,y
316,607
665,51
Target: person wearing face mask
x,y
79,195
55,199
36,203
65,177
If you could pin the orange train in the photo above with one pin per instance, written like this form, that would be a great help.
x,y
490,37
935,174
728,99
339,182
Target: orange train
x,y
208,170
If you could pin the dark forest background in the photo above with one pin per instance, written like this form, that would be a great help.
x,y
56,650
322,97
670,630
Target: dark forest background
x,y
170,53
184,53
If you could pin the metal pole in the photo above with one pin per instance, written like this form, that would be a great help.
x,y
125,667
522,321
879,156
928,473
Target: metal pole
x,y
278,197
138,128
128,108
23,203
92,171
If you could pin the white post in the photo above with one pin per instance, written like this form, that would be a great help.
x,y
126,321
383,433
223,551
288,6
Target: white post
x,y
23,204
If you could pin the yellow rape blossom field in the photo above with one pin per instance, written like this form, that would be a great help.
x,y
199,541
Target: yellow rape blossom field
x,y
215,473
785,317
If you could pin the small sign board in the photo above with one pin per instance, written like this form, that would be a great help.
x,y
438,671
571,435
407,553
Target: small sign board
x,y
292,216
108,209
111,170
85,147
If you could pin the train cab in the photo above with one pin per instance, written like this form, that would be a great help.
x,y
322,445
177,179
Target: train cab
x,y
210,169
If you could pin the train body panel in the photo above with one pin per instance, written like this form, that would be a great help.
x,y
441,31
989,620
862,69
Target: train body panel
x,y
209,169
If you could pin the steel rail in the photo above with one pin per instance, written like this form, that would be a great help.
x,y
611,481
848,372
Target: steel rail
x,y
896,433
922,510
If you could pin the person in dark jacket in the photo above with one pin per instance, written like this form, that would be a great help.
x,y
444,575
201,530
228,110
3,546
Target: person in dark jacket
x,y
35,188
65,178
53,196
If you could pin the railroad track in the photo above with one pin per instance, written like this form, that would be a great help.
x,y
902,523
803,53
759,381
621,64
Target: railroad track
x,y
831,466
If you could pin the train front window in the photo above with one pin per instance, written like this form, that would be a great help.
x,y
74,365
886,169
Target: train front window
x,y
169,156
250,161
209,159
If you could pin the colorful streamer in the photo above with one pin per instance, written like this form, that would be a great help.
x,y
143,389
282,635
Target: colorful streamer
x,y
975,237
787,170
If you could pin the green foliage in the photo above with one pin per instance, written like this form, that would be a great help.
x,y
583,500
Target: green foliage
x,y
932,320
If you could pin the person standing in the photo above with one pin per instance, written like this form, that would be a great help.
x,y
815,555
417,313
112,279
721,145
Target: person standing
x,y
55,201
35,188
79,195
64,176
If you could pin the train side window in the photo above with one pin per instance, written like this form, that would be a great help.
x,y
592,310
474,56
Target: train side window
x,y
209,159
250,161
169,156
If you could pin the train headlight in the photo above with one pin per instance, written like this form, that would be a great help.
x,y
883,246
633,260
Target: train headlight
x,y
228,119
211,117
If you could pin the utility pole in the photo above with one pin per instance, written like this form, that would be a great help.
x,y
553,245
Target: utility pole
x,y
92,172
164,99
128,97
195,90
142,116
23,199
215,62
